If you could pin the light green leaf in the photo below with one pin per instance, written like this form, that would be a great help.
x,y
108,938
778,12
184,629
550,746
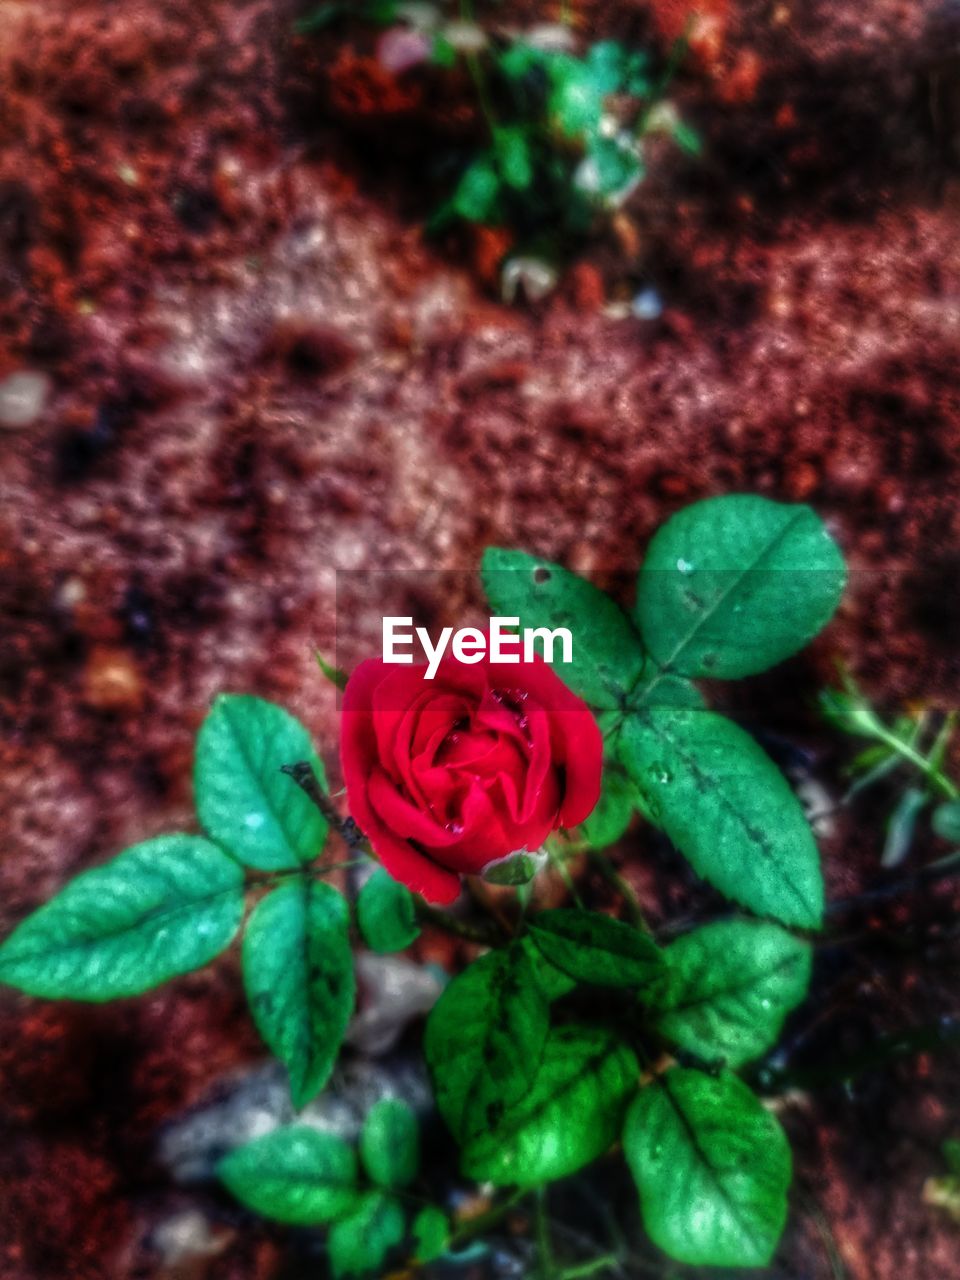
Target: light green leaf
x,y
727,808
712,1167
607,654
390,1143
484,1039
243,800
386,913
157,910
298,975
732,585
294,1175
571,1113
359,1244
729,987
597,949
431,1234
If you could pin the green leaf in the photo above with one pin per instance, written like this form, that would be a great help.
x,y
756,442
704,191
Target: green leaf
x,y
515,869
298,975
596,949
607,61
431,1234
336,675
570,1114
484,1039
946,820
386,913
390,1143
575,101
294,1175
735,584
729,987
902,826
614,809
712,1167
518,59
687,138
612,169
359,1244
727,808
256,812
512,150
157,910
608,657
476,195
553,982
657,688
443,54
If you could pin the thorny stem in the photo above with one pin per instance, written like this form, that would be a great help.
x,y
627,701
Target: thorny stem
x,y
303,775
626,890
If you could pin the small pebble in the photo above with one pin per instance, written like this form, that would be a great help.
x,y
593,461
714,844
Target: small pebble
x,y
647,305
23,397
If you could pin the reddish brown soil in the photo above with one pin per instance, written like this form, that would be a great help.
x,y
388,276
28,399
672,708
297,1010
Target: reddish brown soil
x,y
262,375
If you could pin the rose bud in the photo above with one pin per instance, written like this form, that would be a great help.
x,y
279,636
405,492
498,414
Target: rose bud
x,y
446,775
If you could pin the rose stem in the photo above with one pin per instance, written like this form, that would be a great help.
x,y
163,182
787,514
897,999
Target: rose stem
x,y
303,775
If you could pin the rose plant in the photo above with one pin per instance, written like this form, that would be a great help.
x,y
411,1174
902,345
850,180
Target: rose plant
x,y
573,1030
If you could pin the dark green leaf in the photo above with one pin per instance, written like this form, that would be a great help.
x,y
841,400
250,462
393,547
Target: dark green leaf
x,y
390,1144
729,987
570,1114
386,913
607,655
553,982
157,910
596,949
298,974
727,808
732,585
244,801
443,54
359,1244
712,1167
484,1039
295,1175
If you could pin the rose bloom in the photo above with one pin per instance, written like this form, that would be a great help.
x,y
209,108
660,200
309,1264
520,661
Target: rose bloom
x,y
447,775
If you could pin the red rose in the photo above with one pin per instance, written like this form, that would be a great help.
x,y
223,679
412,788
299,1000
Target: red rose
x,y
446,775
